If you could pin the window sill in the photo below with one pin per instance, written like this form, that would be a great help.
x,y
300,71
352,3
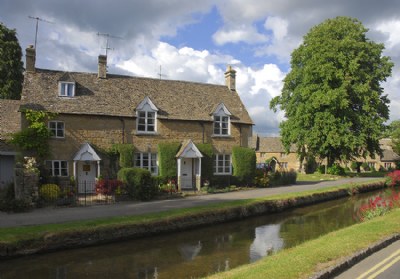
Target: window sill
x,y
145,133
223,174
221,136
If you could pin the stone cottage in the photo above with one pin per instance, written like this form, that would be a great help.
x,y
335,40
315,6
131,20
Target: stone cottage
x,y
96,110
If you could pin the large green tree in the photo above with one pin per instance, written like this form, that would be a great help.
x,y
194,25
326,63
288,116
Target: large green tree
x,y
332,97
393,132
11,66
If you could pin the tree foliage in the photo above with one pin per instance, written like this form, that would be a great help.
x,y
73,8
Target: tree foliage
x,y
333,102
11,67
393,131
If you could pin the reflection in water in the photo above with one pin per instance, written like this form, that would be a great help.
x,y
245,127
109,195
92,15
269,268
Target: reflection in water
x,y
190,254
266,241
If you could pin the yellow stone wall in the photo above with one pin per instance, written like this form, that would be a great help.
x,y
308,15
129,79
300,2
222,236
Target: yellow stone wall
x,y
291,159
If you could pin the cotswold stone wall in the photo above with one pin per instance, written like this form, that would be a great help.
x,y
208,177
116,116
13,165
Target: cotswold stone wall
x,y
291,159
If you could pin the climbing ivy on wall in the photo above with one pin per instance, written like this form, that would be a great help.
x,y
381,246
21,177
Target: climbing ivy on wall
x,y
167,161
34,138
126,152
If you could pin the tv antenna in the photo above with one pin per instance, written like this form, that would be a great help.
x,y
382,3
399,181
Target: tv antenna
x,y
37,25
107,37
160,74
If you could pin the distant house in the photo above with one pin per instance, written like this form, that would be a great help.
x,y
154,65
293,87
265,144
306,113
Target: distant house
x,y
10,122
271,148
96,110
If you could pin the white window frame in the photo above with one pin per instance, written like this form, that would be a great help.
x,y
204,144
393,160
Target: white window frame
x,y
221,121
55,130
284,165
63,89
388,165
221,161
148,115
56,167
140,159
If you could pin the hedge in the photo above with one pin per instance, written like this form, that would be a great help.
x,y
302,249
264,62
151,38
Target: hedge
x,y
139,183
244,164
167,159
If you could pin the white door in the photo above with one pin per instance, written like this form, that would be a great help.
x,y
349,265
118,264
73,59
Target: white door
x,y
187,173
87,177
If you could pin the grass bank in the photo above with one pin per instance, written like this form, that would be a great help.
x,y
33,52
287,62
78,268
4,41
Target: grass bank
x,y
316,255
17,241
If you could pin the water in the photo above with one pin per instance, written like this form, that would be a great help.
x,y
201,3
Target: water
x,y
191,254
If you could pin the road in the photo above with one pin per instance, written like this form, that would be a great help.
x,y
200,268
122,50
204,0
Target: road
x,y
384,264
61,215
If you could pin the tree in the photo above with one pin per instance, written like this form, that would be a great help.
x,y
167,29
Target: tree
x,y
393,131
11,66
333,102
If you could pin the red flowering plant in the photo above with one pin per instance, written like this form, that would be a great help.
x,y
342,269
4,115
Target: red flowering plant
x,y
394,177
109,186
379,206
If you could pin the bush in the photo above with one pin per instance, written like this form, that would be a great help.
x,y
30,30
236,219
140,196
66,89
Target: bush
x,y
8,202
321,169
244,164
365,166
354,165
109,186
283,178
139,183
167,160
49,192
221,181
261,178
336,170
394,178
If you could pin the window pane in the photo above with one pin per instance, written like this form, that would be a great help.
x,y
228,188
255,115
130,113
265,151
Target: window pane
x,y
145,160
137,160
70,89
150,128
142,127
56,168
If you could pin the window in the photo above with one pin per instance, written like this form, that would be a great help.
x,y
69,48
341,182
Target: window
x,y
221,118
146,113
284,165
221,125
388,166
57,167
66,89
283,155
222,164
371,165
146,121
146,161
56,129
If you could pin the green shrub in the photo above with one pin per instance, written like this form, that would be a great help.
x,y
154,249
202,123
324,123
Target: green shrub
x,y
221,181
336,170
283,178
49,192
354,165
321,169
206,150
244,164
167,159
261,178
139,183
8,203
365,166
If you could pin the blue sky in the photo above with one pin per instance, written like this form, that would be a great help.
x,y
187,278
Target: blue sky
x,y
196,40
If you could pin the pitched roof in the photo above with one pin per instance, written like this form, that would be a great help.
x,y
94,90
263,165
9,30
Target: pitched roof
x,y
273,145
119,96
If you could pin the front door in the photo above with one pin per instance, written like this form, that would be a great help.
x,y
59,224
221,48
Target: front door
x,y
86,177
187,173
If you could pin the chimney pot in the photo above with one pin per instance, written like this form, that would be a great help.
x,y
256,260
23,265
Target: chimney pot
x,y
102,66
230,78
30,56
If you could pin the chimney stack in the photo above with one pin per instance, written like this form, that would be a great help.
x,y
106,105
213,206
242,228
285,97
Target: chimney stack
x,y
230,78
30,56
102,72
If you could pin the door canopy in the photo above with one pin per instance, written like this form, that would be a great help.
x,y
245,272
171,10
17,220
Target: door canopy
x,y
86,153
189,150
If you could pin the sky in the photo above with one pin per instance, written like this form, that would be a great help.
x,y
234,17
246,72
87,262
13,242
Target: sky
x,y
195,41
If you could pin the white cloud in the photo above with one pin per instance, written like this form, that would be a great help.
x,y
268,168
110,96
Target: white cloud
x,y
236,34
278,26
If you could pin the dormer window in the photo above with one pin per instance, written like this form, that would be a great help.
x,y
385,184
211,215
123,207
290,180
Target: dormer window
x,y
66,89
222,121
146,113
